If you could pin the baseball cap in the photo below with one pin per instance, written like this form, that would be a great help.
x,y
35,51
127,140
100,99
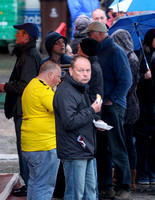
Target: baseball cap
x,y
96,26
82,21
30,28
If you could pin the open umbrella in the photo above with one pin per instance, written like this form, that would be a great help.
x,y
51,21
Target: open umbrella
x,y
133,5
137,26
120,5
141,5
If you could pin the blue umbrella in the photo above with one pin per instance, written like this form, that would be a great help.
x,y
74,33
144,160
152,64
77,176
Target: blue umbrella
x,y
137,26
142,5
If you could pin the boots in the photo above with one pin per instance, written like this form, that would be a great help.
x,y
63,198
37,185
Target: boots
x,y
133,177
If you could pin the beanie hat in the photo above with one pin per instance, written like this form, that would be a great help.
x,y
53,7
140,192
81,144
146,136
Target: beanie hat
x,y
89,46
148,38
30,28
50,39
82,21
96,26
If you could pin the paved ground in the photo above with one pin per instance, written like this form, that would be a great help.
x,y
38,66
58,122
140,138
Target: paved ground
x,y
9,158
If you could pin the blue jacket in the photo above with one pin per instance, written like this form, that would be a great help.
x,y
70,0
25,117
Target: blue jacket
x,y
116,72
81,7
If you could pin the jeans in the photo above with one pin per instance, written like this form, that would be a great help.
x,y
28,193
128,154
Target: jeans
x,y
95,170
111,146
80,180
24,171
43,167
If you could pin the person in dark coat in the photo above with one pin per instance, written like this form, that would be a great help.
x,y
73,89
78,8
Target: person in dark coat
x,y
75,132
80,23
117,81
124,39
55,45
88,47
26,67
145,126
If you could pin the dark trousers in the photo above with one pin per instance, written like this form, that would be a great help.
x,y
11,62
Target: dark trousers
x,y
145,158
24,172
111,148
130,144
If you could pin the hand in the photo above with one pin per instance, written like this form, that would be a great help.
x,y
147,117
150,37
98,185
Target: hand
x,y
2,87
108,103
148,75
97,106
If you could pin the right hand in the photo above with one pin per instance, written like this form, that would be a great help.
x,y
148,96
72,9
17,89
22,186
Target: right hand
x,y
148,75
97,106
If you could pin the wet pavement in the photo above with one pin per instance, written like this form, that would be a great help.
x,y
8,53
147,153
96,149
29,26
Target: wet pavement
x,y
9,158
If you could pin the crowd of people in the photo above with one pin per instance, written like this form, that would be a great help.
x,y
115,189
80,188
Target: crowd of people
x,y
61,152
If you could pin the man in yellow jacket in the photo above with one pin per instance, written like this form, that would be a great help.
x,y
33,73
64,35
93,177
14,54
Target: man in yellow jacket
x,y
38,139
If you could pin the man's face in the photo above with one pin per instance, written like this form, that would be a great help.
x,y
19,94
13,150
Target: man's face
x,y
21,38
81,72
57,77
99,15
59,47
95,35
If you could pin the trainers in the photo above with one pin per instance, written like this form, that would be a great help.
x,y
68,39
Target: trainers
x,y
143,182
106,194
122,195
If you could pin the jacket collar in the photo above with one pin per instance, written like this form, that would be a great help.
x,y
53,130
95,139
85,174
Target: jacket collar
x,y
19,49
78,86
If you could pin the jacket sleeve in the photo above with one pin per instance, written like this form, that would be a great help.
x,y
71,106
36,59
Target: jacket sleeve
x,y
28,71
78,7
123,76
70,117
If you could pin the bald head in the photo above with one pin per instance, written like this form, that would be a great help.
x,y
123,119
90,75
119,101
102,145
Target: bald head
x,y
99,15
47,66
50,73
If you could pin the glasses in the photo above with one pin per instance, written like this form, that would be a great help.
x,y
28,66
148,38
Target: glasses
x,y
60,42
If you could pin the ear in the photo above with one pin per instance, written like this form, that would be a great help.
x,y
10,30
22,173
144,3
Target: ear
x,y
26,36
71,71
50,74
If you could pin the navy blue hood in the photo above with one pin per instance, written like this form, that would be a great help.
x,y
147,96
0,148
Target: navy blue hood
x,y
50,39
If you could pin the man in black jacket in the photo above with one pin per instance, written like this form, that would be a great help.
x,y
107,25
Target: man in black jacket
x,y
27,67
75,133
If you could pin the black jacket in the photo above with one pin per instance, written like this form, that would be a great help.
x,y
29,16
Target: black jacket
x,y
74,118
96,81
26,67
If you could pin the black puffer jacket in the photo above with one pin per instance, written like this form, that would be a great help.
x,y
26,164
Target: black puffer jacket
x,y
27,67
74,118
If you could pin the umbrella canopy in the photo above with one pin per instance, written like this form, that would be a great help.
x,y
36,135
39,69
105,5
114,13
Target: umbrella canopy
x,y
141,5
120,5
133,5
136,25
